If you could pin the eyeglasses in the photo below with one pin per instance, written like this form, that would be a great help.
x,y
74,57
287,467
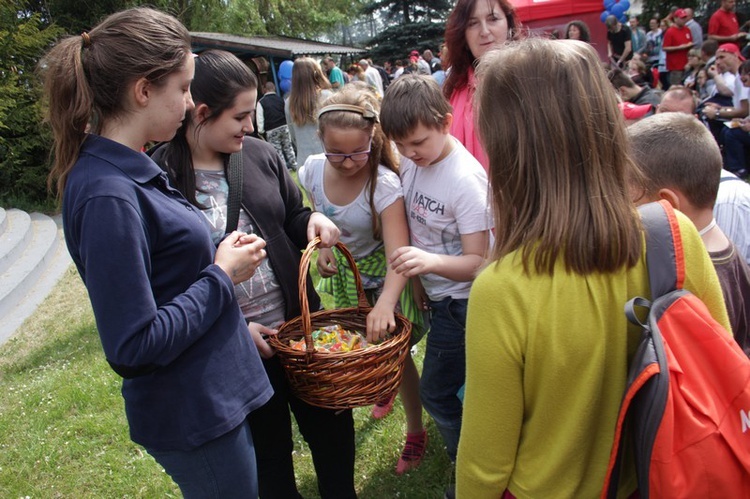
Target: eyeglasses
x,y
355,156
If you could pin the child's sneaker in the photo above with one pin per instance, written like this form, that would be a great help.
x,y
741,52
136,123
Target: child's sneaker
x,y
383,407
413,452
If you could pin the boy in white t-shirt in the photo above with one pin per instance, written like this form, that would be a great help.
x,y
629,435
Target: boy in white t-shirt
x,y
447,206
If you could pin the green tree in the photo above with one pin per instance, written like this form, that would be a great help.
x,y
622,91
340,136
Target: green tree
x,y
413,24
297,18
24,142
75,16
29,27
409,11
397,41
294,18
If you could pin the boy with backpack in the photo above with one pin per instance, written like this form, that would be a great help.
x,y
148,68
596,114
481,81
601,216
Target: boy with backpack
x,y
682,164
685,413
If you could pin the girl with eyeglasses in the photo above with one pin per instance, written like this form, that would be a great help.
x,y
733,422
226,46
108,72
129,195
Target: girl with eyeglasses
x,y
356,184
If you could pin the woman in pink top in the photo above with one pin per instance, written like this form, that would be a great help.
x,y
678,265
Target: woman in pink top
x,y
473,27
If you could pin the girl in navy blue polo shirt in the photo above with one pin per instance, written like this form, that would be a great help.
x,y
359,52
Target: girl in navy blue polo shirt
x,y
162,293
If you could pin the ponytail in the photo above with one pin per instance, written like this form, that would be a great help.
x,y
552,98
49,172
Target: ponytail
x,y
69,107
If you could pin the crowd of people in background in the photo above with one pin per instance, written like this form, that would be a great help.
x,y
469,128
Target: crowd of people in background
x,y
677,51
191,256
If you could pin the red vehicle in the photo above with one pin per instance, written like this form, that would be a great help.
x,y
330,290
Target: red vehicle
x,y
544,17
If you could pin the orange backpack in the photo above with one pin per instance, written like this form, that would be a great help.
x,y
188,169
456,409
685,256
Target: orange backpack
x,y
686,408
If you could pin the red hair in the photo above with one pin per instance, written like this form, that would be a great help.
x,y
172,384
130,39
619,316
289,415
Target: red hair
x,y
460,58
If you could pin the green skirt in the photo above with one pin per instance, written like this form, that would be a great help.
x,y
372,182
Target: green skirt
x,y
344,289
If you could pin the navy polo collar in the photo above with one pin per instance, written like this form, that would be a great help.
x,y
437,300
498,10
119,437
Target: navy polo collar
x,y
136,165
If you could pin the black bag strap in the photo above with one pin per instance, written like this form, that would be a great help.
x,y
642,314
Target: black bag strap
x,y
661,251
234,179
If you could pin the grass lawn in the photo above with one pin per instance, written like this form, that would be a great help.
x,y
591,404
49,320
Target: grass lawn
x,y
63,432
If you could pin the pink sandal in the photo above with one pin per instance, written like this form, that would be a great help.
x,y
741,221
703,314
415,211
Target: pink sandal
x,y
413,452
383,407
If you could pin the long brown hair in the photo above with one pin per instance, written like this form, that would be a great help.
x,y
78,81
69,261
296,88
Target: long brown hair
x,y
86,77
381,152
307,81
559,166
460,58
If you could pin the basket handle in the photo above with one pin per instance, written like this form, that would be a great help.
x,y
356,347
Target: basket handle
x,y
304,266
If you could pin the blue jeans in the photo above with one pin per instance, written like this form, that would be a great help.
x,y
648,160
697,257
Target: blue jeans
x,y
735,141
444,369
223,468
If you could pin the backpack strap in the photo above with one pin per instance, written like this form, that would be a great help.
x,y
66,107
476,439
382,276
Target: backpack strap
x,y
665,255
234,179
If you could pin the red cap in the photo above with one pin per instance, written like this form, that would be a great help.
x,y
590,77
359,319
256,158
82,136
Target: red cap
x,y
415,52
634,111
681,13
732,49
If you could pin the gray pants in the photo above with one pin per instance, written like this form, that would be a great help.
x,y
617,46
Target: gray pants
x,y
282,141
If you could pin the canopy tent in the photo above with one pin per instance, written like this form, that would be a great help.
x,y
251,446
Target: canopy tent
x,y
547,16
534,10
264,54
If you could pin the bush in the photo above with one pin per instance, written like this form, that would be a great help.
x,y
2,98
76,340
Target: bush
x,y
24,141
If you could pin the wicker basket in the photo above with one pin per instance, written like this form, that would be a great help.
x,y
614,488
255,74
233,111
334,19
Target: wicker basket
x,y
340,380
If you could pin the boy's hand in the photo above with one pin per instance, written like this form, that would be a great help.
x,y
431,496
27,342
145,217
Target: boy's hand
x,y
326,263
410,261
745,125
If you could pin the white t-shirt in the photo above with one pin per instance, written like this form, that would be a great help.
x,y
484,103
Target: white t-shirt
x,y
732,212
354,220
444,201
372,76
740,92
733,81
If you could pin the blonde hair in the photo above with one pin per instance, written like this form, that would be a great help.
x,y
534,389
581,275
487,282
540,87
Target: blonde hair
x,y
308,80
381,152
86,77
559,166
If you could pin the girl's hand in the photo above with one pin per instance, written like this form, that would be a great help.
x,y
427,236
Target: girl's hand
x,y
321,226
257,332
326,263
380,322
239,254
410,261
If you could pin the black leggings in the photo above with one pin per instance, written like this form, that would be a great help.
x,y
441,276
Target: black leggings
x,y
329,433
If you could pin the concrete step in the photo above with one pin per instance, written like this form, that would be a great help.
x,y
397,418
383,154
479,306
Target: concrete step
x,y
14,237
32,273
3,220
